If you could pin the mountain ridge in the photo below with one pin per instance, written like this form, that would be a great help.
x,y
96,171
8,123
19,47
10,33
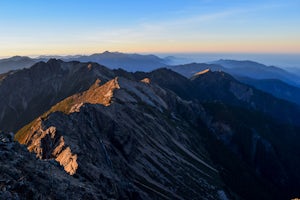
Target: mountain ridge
x,y
125,147
157,133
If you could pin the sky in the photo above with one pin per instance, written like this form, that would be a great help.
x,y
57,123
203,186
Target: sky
x,y
52,27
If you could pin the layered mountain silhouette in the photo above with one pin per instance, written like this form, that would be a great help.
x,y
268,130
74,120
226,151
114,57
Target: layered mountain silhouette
x,y
258,71
275,87
113,134
16,62
247,69
278,82
129,62
113,60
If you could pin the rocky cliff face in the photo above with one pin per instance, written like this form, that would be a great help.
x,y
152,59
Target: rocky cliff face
x,y
123,131
252,124
22,176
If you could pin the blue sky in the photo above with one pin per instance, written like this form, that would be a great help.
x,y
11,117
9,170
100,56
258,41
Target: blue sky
x,y
35,27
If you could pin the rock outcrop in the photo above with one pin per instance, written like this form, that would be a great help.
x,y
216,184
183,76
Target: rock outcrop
x,y
123,130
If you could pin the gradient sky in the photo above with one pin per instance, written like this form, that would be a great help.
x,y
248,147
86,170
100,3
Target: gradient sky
x,y
35,27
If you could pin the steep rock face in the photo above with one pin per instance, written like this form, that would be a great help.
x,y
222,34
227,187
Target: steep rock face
x,y
268,147
30,92
23,177
48,144
252,124
133,141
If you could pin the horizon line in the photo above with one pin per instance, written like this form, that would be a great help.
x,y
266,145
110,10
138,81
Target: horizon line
x,y
153,53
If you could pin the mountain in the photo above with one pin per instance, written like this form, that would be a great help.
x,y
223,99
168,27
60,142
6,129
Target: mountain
x,y
129,62
113,60
145,135
294,70
30,92
258,71
22,176
16,62
248,69
123,135
249,122
275,87
188,70
219,86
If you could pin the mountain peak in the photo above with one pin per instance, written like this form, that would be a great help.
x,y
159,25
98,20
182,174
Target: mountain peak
x,y
96,94
18,58
196,75
202,72
110,52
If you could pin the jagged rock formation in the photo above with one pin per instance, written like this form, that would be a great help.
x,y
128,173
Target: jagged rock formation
x,y
130,140
48,143
249,122
23,177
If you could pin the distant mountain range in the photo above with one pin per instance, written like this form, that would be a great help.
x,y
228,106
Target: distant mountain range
x,y
137,62
113,60
16,62
129,62
248,69
258,71
276,81
273,80
275,87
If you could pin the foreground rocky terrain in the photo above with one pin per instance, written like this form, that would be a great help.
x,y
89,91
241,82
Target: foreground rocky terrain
x,y
97,133
22,176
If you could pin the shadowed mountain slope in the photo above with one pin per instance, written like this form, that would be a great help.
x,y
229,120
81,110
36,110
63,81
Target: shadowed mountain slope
x,y
129,136
30,92
275,87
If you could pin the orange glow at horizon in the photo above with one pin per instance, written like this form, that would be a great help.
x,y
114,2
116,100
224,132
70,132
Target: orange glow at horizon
x,y
292,47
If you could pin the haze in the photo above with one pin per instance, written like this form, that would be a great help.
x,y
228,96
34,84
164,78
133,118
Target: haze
x,y
82,27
